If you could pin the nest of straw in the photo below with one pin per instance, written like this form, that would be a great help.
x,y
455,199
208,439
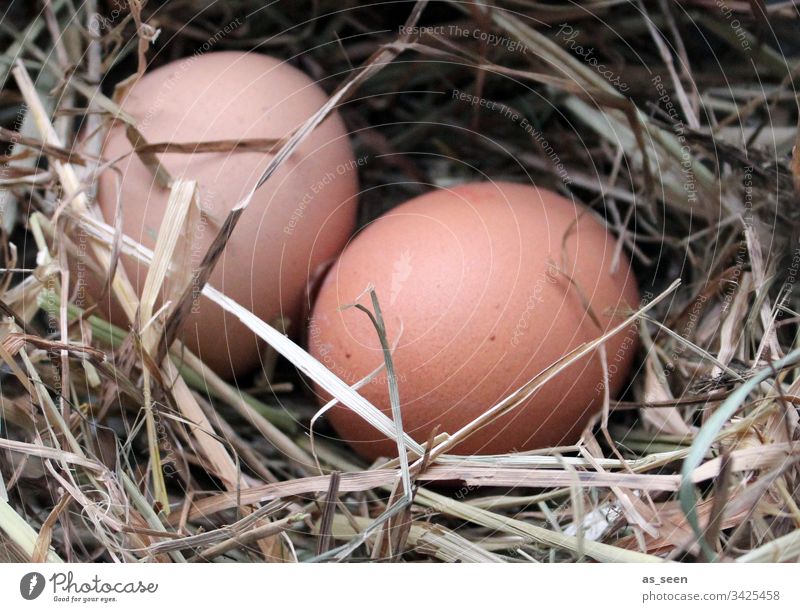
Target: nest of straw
x,y
682,141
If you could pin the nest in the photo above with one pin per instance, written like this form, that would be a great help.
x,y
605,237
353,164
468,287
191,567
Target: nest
x,y
676,125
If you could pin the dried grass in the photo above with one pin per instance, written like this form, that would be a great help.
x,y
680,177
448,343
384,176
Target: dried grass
x,y
698,462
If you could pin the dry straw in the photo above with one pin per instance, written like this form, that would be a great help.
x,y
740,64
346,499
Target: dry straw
x,y
700,460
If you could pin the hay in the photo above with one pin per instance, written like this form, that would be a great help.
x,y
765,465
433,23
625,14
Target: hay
x,y
681,145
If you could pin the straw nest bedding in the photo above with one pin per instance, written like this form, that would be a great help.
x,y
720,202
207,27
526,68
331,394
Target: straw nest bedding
x,y
682,142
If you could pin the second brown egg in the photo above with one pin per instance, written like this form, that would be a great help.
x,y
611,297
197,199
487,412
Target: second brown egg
x,y
482,287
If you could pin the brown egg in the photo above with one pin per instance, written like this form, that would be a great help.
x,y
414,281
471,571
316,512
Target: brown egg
x,y
299,219
474,286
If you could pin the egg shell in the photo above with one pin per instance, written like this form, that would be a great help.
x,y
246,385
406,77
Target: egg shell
x,y
474,285
299,219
